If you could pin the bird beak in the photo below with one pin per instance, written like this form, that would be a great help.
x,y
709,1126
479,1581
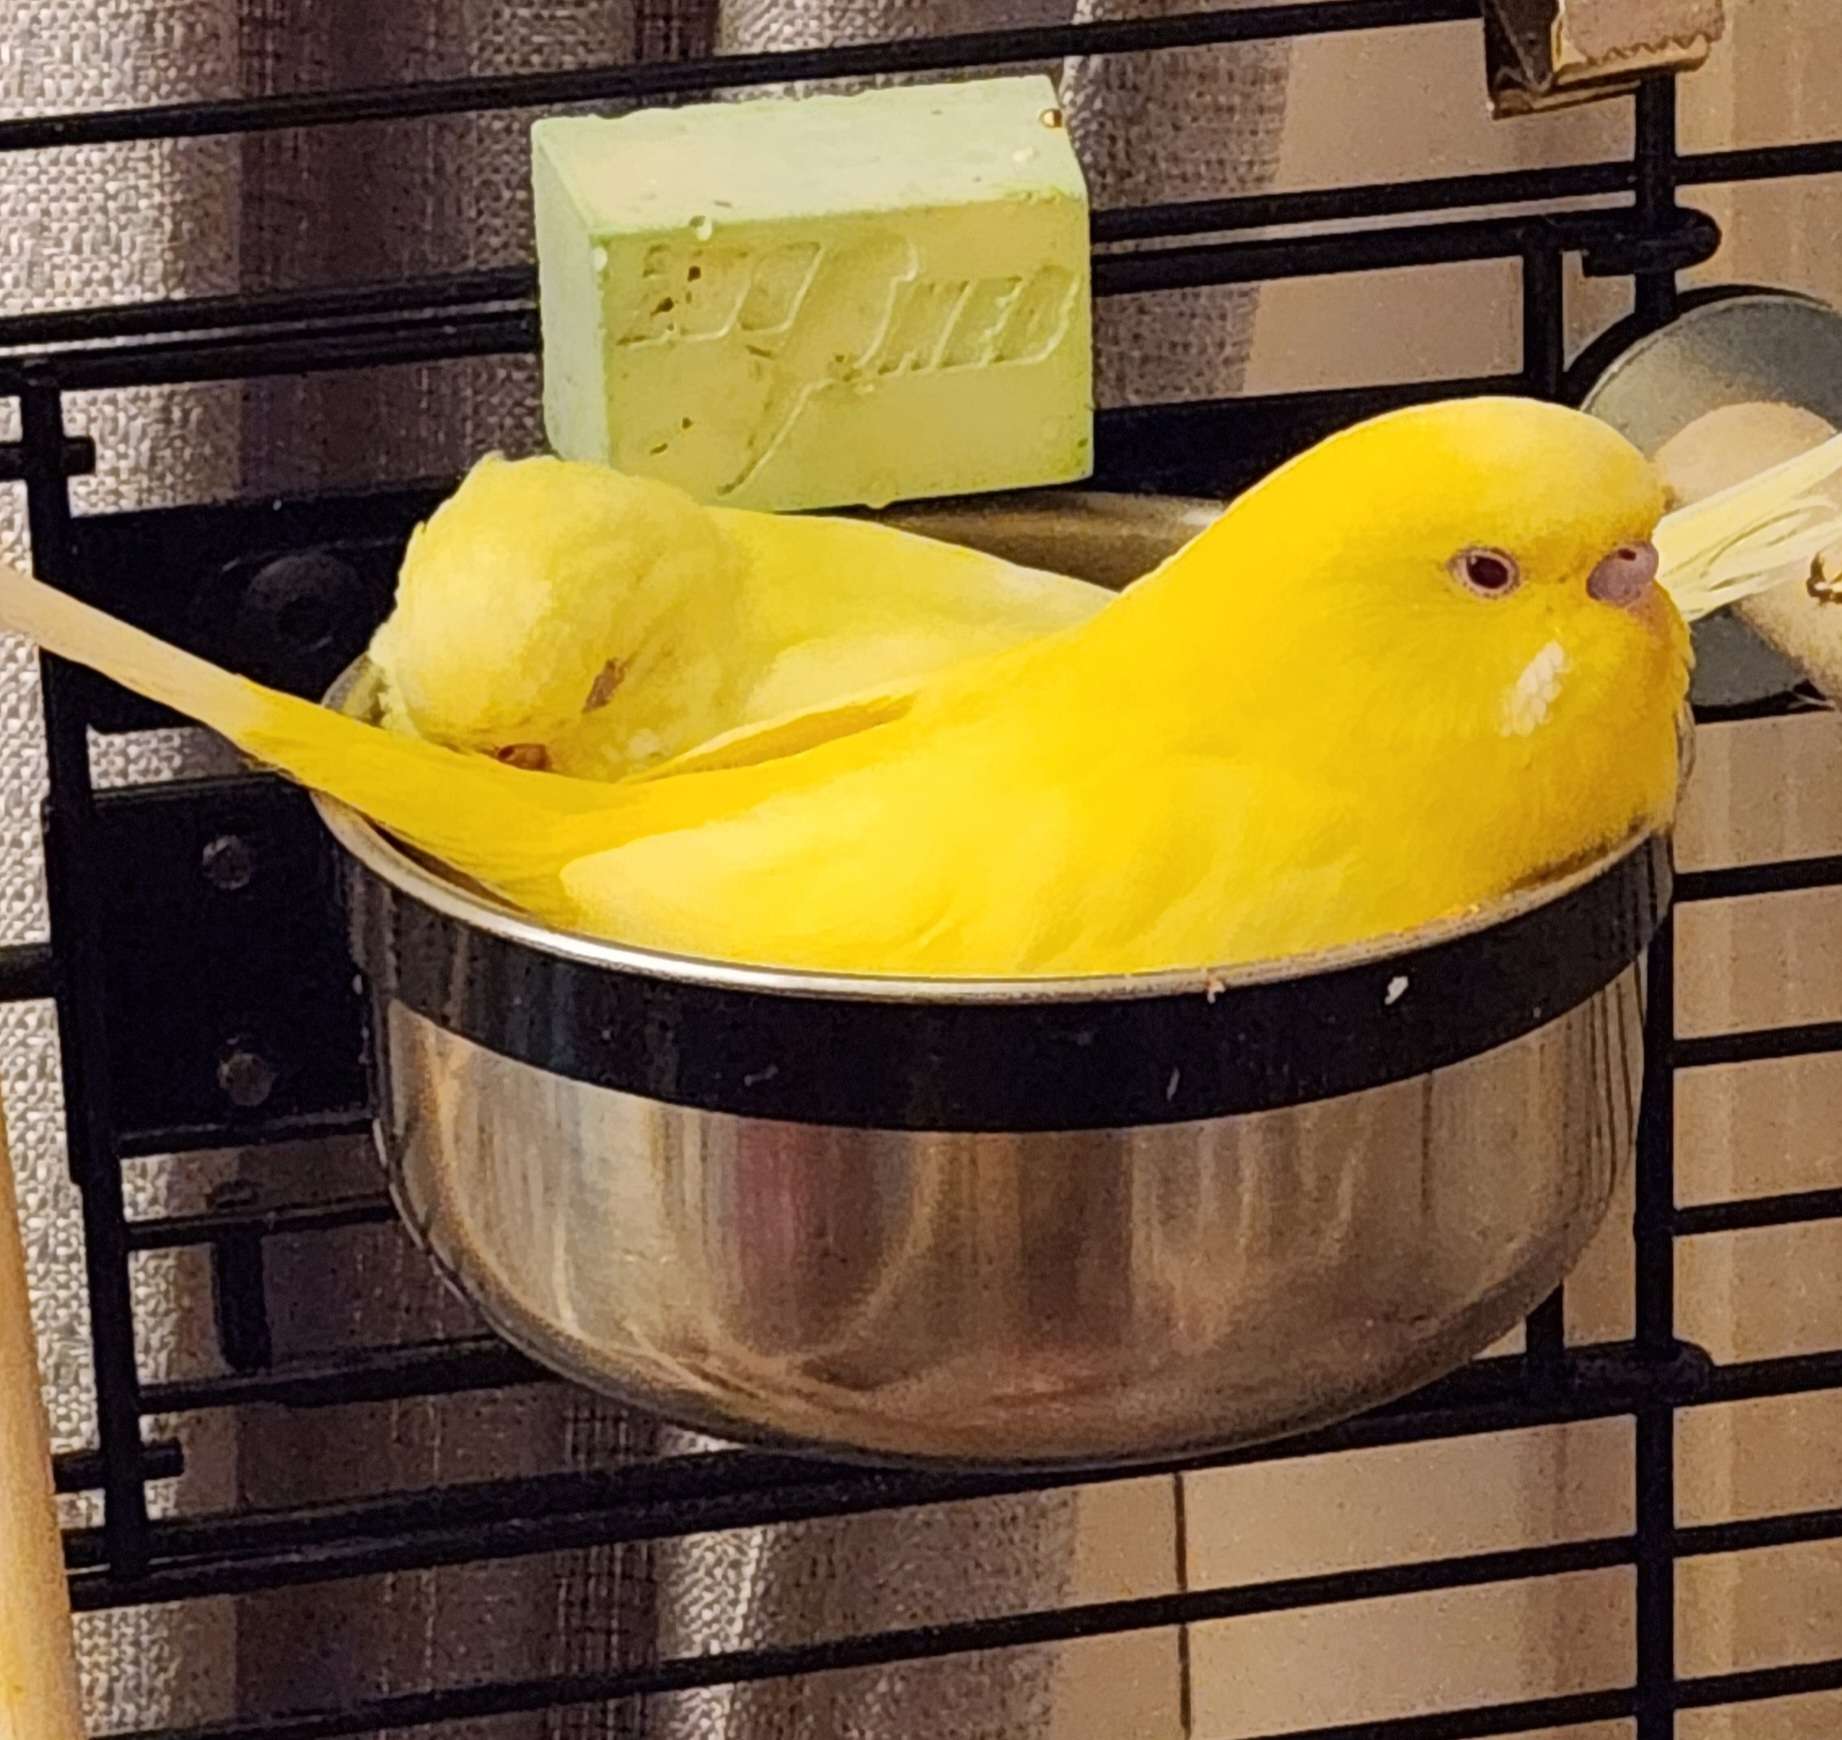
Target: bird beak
x,y
1626,576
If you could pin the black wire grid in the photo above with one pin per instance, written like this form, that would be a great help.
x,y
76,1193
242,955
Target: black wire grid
x,y
205,1000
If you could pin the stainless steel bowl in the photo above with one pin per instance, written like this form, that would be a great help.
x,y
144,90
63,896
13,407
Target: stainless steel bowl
x,y
1086,1221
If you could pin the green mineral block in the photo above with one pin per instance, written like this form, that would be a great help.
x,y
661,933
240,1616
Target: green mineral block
x,y
824,301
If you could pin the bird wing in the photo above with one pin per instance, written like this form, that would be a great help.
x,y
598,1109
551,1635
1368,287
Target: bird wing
x,y
897,701
790,734
973,853
899,620
901,863
858,620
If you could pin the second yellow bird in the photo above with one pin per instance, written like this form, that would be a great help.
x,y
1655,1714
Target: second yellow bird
x,y
561,615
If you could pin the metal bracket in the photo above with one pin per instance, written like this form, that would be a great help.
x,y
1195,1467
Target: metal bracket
x,y
78,459
234,1013
1691,239
284,590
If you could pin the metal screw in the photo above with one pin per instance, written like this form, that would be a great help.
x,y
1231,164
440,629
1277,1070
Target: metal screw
x,y
246,1077
300,602
229,863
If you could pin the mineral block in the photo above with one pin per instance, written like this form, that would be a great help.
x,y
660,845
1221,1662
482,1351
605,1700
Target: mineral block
x,y
820,301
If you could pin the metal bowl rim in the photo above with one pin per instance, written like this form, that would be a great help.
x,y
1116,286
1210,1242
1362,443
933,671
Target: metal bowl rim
x,y
1026,505
390,864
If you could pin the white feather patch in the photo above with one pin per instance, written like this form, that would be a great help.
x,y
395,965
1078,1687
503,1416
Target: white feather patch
x,y
1528,700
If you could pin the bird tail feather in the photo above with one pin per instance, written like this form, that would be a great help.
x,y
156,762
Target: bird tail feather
x,y
496,824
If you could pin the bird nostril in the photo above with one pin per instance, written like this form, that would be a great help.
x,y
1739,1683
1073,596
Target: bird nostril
x,y
530,757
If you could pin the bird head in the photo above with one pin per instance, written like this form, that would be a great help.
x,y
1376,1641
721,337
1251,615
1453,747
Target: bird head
x,y
538,592
1490,527
1474,581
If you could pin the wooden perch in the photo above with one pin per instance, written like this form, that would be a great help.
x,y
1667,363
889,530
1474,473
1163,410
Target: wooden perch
x,y
1803,619
38,1674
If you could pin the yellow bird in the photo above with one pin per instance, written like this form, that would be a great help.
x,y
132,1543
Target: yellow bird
x,y
562,615
1420,665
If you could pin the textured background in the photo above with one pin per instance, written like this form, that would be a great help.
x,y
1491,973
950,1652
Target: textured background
x,y
105,225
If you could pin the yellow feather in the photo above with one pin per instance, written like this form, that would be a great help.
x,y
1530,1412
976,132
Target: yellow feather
x,y
495,824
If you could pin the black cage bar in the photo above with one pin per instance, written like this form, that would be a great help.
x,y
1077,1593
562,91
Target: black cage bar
x,y
248,981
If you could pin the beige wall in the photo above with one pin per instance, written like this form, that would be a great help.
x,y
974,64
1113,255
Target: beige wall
x,y
1365,109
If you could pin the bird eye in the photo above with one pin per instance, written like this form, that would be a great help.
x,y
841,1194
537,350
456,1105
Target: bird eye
x,y
1489,573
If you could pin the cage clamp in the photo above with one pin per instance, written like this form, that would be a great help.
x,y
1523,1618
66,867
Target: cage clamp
x,y
1552,54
